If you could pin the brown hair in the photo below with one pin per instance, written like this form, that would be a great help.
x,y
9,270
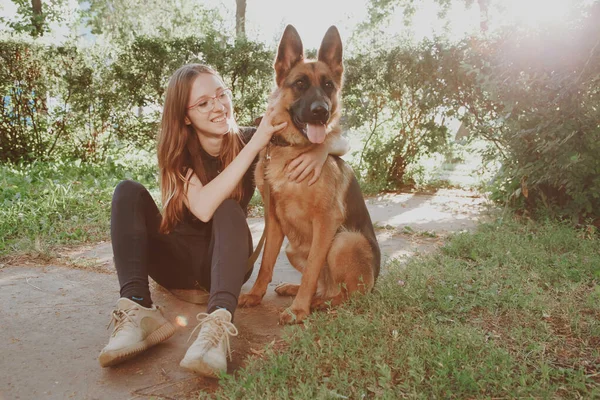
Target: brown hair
x,y
180,149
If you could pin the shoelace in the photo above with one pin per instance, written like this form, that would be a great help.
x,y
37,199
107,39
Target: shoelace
x,y
220,328
120,317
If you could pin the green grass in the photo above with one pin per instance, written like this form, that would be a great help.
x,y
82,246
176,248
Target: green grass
x,y
44,205
47,205
510,311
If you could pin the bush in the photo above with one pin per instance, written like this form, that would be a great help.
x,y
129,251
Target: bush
x,y
30,78
398,99
68,102
535,96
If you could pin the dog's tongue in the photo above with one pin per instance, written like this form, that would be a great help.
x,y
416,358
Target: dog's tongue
x,y
316,133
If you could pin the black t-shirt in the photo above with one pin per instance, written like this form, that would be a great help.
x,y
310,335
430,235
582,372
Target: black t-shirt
x,y
212,166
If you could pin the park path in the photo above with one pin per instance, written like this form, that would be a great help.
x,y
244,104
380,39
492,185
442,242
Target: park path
x,y
53,317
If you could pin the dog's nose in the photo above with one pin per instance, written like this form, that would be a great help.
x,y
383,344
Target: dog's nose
x,y
319,111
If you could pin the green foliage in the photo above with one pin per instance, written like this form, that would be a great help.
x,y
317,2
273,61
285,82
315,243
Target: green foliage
x,y
43,205
143,70
121,22
34,16
57,103
531,93
31,77
68,102
539,108
399,100
509,311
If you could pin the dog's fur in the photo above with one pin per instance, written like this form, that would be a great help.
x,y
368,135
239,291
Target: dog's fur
x,y
331,237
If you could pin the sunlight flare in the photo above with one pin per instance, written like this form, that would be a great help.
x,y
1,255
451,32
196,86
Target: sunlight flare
x,y
181,320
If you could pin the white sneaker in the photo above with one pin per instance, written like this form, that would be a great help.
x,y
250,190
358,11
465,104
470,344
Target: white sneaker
x,y
136,329
208,354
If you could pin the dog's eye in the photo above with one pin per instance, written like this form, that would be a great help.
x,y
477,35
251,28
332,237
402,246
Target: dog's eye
x,y
329,85
300,84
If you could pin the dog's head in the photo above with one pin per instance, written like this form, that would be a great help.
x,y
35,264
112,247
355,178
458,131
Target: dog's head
x,y
307,94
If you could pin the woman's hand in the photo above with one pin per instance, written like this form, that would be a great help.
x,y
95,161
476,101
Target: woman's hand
x,y
265,131
312,161
306,163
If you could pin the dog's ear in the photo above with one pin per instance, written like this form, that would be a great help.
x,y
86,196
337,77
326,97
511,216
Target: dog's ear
x,y
290,53
258,120
330,51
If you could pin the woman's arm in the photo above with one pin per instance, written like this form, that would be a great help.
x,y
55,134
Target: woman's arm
x,y
203,200
312,161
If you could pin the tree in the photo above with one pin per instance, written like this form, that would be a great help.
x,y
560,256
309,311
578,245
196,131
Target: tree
x,y
37,17
240,19
34,17
483,15
120,21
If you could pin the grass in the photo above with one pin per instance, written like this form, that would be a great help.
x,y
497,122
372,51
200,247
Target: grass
x,y
44,205
510,311
52,204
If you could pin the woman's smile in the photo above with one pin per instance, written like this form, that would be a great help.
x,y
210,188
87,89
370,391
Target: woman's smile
x,y
220,119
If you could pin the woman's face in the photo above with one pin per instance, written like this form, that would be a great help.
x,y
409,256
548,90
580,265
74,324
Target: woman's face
x,y
208,90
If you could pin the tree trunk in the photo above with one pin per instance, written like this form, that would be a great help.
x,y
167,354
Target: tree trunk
x,y
397,170
483,15
37,18
240,19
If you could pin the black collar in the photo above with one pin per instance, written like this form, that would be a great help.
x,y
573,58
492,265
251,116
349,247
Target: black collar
x,y
277,140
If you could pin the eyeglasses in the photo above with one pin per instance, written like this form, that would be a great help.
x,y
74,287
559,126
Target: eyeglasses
x,y
207,104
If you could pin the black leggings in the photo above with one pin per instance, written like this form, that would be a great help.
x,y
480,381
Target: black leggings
x,y
214,258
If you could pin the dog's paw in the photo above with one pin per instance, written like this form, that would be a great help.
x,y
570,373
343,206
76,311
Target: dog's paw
x,y
318,303
290,316
287,289
249,300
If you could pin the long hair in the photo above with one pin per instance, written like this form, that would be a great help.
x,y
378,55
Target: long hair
x,y
180,149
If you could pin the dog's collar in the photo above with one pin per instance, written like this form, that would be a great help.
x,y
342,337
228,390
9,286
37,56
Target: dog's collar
x,y
277,140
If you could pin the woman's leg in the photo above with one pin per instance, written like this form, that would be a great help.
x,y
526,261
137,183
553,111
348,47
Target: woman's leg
x,y
230,247
134,220
139,249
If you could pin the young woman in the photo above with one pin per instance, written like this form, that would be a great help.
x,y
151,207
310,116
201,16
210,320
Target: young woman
x,y
202,239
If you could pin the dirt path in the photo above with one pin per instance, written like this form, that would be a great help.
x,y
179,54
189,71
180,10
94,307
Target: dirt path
x,y
53,318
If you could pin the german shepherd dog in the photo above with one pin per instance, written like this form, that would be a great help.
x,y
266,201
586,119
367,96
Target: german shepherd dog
x,y
330,233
